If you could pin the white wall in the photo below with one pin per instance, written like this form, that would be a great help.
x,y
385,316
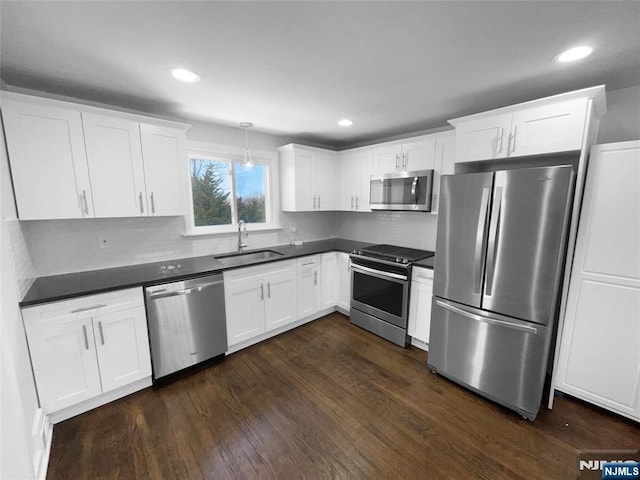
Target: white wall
x,y
18,399
622,120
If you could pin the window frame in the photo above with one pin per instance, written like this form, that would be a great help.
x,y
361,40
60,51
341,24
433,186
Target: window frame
x,y
228,154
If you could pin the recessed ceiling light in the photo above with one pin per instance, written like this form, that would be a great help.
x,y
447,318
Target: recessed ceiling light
x,y
345,122
185,75
574,54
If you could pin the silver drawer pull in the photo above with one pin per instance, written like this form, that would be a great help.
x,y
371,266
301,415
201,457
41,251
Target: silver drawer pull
x,y
101,332
86,339
77,310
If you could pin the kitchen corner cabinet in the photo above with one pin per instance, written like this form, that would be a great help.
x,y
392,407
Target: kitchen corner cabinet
x,y
49,168
307,179
88,162
259,299
418,154
599,353
308,285
355,168
549,125
88,346
420,305
344,267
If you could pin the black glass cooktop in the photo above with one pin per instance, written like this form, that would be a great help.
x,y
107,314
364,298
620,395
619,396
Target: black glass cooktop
x,y
395,253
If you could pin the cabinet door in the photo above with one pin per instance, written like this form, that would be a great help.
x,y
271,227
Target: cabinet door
x,y
349,181
445,163
387,159
280,303
63,355
326,192
345,282
123,347
420,305
599,357
244,304
420,155
483,139
364,172
329,280
165,166
48,161
308,286
304,180
114,153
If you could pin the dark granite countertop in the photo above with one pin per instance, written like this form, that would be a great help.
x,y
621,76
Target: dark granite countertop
x,y
427,262
60,287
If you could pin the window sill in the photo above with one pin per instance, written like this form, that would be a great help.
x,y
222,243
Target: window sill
x,y
233,230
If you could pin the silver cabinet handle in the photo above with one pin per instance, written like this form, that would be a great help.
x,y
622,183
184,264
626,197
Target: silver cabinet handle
x,y
100,305
262,291
493,321
268,289
314,202
494,232
318,201
84,202
397,162
153,204
357,202
101,332
480,241
499,141
405,161
513,145
86,339
141,202
315,277
351,202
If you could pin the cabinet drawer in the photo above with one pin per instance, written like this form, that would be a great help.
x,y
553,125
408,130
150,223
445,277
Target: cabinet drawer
x,y
69,310
246,273
422,275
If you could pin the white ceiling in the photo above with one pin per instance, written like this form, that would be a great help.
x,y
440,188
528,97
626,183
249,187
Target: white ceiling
x,y
295,68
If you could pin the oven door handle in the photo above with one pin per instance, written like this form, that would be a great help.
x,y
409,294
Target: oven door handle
x,y
361,269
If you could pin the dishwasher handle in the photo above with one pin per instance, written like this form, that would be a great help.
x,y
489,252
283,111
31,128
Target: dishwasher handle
x,y
185,291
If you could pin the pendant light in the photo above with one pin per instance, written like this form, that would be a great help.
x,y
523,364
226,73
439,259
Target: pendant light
x,y
246,159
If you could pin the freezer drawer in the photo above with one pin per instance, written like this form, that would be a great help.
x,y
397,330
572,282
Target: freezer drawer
x,y
499,357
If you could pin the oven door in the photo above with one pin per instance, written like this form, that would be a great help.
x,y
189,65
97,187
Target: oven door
x,y
380,293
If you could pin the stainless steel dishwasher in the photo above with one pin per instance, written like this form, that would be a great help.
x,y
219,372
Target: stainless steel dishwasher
x,y
187,323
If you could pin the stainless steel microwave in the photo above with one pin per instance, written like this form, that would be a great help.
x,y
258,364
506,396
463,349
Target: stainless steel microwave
x,y
409,191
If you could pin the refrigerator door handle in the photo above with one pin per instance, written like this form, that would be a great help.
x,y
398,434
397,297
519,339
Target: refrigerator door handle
x,y
493,321
493,240
480,242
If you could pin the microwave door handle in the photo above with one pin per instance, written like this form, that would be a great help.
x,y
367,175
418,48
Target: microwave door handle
x,y
414,188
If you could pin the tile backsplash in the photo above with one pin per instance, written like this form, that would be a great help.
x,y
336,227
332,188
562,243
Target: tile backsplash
x,y
23,265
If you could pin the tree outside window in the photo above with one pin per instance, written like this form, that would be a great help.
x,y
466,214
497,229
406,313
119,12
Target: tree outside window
x,y
225,192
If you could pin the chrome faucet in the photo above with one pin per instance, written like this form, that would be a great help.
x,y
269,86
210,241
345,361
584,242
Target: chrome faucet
x,y
242,235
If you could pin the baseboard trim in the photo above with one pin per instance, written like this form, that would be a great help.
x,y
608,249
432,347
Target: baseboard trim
x,y
420,344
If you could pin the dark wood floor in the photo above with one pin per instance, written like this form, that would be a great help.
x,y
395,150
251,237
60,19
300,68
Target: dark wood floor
x,y
327,399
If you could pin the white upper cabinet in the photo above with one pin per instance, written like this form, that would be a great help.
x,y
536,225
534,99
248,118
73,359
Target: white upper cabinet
x,y
165,154
445,164
114,153
548,125
418,154
355,168
48,159
307,179
91,162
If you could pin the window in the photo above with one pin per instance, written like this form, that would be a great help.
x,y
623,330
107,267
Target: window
x,y
224,191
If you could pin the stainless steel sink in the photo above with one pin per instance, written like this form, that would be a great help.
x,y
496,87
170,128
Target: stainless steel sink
x,y
247,257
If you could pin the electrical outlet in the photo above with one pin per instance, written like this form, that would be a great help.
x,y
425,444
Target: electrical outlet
x,y
103,241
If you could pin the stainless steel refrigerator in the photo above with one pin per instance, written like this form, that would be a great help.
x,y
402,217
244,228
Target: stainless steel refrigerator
x,y
500,255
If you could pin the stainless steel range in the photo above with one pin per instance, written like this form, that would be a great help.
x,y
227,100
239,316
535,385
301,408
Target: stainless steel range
x,y
380,277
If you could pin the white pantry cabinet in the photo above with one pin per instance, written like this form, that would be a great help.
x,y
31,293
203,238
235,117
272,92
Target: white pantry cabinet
x,y
259,299
599,353
344,300
85,347
46,150
420,306
308,285
549,125
91,162
355,168
417,154
307,179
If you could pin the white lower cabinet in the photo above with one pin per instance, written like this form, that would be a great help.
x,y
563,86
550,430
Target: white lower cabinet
x,y
599,353
420,306
308,285
86,347
329,280
259,299
344,267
